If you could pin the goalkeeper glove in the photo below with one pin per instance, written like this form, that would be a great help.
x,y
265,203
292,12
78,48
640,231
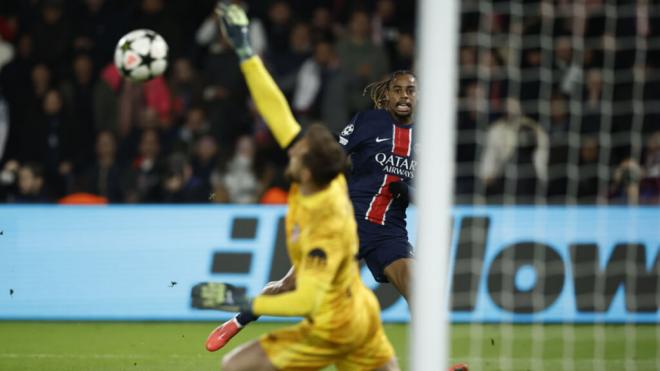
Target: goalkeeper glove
x,y
220,296
234,24
400,192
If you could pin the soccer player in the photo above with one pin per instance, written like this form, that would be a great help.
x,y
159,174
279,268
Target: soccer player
x,y
342,316
381,145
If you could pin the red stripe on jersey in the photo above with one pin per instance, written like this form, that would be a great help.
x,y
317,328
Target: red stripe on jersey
x,y
402,141
381,202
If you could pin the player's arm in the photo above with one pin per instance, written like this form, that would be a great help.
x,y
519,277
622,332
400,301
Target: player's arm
x,y
300,301
352,135
270,102
230,298
312,280
269,99
287,283
314,276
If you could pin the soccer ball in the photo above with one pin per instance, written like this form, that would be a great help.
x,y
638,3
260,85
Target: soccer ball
x,y
141,55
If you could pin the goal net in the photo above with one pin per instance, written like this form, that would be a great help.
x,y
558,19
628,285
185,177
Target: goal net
x,y
555,258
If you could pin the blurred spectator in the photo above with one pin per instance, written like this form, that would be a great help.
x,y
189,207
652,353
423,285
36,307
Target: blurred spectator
x,y
225,94
650,184
41,82
51,34
4,126
311,91
626,179
285,64
323,28
145,105
515,159
205,158
404,58
31,186
588,177
78,94
385,28
96,30
145,174
559,124
472,116
239,180
491,66
6,52
592,102
48,138
8,176
193,127
16,88
180,185
594,85
219,194
563,59
278,26
404,55
104,177
186,86
272,179
558,130
593,58
467,60
106,100
362,61
8,23
531,86
567,70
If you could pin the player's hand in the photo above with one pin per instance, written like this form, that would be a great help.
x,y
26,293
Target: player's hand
x,y
400,192
220,296
234,24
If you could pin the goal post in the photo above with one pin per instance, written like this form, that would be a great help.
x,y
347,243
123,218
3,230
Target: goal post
x,y
437,44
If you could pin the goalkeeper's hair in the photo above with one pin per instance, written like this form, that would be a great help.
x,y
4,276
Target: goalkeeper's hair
x,y
377,91
325,158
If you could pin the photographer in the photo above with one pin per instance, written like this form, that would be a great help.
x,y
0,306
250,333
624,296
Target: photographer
x,y
514,161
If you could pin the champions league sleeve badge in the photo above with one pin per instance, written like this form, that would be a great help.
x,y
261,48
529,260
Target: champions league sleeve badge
x,y
348,130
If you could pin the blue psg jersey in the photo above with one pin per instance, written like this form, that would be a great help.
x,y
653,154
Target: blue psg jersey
x,y
382,152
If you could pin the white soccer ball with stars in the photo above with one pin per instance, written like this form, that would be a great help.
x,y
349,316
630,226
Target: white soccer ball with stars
x,y
141,55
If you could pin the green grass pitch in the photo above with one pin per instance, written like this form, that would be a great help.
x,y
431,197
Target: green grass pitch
x,y
179,346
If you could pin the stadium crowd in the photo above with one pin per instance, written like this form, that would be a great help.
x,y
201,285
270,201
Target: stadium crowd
x,y
555,105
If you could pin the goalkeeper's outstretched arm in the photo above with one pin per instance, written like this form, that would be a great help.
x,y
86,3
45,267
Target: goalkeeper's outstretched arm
x,y
269,99
270,102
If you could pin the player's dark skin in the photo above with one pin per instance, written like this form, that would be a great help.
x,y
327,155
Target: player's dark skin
x,y
402,98
401,102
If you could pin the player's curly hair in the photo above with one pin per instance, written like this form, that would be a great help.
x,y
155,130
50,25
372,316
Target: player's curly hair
x,y
377,91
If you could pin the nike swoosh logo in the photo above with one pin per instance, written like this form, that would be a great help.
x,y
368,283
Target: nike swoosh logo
x,y
378,140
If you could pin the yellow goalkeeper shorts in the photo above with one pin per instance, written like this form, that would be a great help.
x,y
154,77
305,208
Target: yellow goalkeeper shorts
x,y
298,348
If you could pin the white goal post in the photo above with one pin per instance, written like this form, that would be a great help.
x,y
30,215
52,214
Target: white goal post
x,y
437,36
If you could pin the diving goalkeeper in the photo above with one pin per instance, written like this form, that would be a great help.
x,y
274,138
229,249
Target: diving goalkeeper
x,y
342,317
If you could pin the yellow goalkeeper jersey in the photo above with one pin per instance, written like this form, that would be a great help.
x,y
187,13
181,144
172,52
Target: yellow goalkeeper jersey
x,y
322,239
322,244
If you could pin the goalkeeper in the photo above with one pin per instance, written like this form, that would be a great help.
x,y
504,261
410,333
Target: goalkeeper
x,y
342,317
